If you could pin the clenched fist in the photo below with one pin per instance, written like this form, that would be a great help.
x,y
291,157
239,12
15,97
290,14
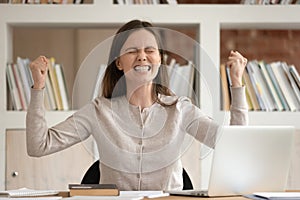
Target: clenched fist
x,y
39,68
237,64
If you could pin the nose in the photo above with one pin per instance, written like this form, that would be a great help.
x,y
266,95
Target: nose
x,y
141,59
141,56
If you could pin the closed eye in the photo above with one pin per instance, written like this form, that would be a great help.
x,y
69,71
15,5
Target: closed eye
x,y
131,50
150,50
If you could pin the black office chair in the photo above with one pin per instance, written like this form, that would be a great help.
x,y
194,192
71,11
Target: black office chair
x,y
92,176
187,183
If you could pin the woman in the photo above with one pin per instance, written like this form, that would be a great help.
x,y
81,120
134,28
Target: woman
x,y
138,124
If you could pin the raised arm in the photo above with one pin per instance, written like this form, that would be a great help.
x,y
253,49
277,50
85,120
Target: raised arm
x,y
40,139
239,108
204,128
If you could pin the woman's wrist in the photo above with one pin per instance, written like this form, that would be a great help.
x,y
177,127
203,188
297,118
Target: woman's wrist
x,y
38,86
236,83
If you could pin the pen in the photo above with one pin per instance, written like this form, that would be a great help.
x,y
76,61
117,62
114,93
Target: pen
x,y
158,195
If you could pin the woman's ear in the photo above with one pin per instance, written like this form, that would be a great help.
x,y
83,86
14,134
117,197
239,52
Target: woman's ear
x,y
118,64
159,63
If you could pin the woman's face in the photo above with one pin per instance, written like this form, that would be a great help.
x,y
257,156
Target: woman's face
x,y
140,58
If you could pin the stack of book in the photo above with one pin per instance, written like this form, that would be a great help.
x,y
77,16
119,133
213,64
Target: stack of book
x,y
269,86
154,2
181,78
270,2
20,81
93,190
44,1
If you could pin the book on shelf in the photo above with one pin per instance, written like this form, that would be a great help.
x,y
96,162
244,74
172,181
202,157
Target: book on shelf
x,y
292,81
250,91
181,78
19,85
269,86
274,98
170,66
225,90
172,2
295,75
256,86
13,90
262,85
249,102
93,190
45,1
50,102
145,2
277,87
285,86
227,70
99,78
53,78
61,81
268,2
22,65
57,87
20,81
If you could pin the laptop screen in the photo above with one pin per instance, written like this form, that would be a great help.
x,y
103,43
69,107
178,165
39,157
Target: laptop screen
x,y
250,159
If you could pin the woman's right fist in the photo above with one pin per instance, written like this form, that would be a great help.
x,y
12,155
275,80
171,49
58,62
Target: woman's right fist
x,y
39,68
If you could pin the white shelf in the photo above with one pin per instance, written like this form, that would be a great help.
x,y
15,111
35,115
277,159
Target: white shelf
x,y
265,118
107,14
16,119
209,19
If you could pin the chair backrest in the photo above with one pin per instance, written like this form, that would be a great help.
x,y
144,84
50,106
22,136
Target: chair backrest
x,y
92,176
187,183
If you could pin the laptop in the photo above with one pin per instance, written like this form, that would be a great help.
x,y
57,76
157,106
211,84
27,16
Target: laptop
x,y
248,159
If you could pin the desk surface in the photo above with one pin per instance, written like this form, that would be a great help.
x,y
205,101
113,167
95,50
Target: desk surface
x,y
215,198
66,194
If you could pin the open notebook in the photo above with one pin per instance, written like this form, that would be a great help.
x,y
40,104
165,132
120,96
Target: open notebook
x,y
25,192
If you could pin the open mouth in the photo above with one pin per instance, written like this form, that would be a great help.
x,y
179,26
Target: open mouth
x,y
142,68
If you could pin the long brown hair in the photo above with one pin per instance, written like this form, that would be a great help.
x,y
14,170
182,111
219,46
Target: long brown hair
x,y
114,84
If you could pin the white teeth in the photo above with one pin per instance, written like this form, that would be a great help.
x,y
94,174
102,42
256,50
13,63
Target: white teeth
x,y
143,68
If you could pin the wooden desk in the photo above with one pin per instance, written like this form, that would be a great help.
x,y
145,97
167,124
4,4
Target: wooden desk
x,y
215,198
66,194
206,198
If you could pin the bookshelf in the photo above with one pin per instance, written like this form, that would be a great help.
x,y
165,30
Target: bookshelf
x,y
207,19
